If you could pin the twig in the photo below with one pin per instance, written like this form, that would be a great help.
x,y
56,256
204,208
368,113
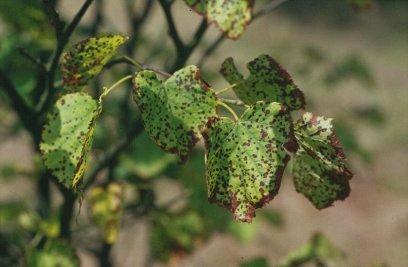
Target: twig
x,y
185,53
166,6
217,42
211,49
112,154
230,110
233,102
32,59
24,112
62,41
138,65
136,22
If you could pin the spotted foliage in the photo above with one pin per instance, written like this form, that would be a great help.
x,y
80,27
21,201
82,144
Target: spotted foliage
x,y
67,137
231,16
86,59
107,208
177,111
246,159
319,168
267,81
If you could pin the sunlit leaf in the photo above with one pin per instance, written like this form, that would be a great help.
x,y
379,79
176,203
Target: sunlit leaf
x,y
56,253
267,81
175,112
86,59
107,208
231,16
319,168
67,137
246,159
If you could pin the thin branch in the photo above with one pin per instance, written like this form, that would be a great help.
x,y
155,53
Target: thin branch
x,y
268,8
112,154
32,59
138,65
62,41
24,112
183,55
166,6
136,22
217,42
211,49
233,102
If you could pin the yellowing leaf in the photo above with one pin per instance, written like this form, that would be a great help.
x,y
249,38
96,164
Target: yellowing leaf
x,y
177,111
267,81
86,59
246,159
231,16
107,208
67,137
319,168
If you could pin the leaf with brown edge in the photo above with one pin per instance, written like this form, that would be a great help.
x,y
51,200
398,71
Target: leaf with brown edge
x,y
87,58
267,81
231,16
246,159
319,168
177,111
67,137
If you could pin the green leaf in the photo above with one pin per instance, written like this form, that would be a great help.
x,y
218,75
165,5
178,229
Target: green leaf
x,y
255,262
175,112
86,59
319,168
107,208
56,253
267,81
67,137
246,159
146,159
231,16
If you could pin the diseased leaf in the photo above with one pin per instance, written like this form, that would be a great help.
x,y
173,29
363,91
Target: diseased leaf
x,y
319,168
86,59
175,112
267,81
246,159
67,137
107,208
231,16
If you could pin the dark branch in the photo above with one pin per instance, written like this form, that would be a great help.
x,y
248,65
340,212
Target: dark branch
x,y
217,42
62,41
113,154
166,6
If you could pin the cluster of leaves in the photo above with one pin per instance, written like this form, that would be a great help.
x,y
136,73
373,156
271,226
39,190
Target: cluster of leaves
x,y
245,157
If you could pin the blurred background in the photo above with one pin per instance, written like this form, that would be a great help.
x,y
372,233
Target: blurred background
x,y
351,65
